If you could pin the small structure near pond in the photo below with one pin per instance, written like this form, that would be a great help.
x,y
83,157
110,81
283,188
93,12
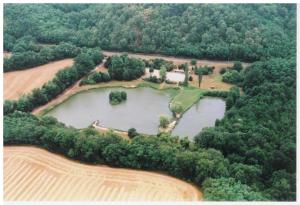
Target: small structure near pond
x,y
172,76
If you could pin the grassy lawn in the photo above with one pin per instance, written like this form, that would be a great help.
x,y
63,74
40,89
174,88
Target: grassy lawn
x,y
149,84
218,78
187,97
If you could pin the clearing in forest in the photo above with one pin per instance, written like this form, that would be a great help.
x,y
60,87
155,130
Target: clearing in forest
x,y
17,83
32,173
212,81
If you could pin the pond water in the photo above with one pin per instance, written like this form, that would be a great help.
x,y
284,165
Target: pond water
x,y
141,110
203,114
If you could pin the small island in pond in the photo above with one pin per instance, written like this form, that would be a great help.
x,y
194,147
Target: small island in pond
x,y
116,97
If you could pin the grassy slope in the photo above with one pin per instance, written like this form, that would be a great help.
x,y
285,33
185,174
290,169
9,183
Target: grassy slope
x,y
187,97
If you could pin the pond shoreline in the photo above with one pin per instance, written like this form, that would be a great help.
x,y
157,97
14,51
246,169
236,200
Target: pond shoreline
x,y
81,111
139,83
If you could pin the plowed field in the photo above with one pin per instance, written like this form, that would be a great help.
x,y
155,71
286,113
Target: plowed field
x,y
35,174
21,82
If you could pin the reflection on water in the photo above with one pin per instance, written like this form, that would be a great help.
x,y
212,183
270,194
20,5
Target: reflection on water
x,y
203,114
141,110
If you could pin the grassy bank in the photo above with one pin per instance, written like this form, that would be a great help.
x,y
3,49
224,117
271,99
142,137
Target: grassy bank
x,y
187,96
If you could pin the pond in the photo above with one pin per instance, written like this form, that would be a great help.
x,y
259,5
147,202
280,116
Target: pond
x,y
141,110
203,114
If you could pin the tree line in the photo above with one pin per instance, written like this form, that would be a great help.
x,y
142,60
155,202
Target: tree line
x,y
244,32
179,158
258,132
29,58
249,155
124,68
84,62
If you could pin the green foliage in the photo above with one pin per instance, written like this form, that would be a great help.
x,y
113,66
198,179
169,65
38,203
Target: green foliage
x,y
193,62
232,76
237,66
132,133
228,189
222,71
204,163
204,70
199,31
27,58
176,107
283,186
95,78
247,174
163,121
160,153
158,63
153,79
199,79
216,93
186,76
163,73
259,129
258,133
63,79
232,96
116,97
26,43
125,68
187,97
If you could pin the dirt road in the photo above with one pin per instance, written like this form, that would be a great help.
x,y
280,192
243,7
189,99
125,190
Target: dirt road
x,y
35,174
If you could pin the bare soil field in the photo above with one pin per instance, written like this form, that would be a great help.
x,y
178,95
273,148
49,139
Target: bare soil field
x,y
208,82
32,173
17,83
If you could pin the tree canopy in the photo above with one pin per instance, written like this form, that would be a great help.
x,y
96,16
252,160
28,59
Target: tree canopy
x,y
245,32
250,154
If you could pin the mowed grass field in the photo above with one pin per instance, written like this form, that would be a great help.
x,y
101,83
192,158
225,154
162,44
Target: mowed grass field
x,y
32,173
187,97
17,83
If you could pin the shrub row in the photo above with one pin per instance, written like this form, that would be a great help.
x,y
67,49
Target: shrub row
x,y
28,59
85,61
95,78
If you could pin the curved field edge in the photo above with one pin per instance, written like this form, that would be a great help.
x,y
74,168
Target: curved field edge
x,y
32,173
21,82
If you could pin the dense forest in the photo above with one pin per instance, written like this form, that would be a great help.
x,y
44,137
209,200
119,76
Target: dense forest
x,y
249,155
216,31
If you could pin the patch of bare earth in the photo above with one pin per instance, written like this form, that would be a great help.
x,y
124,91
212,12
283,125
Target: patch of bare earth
x,y
35,174
17,83
7,54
